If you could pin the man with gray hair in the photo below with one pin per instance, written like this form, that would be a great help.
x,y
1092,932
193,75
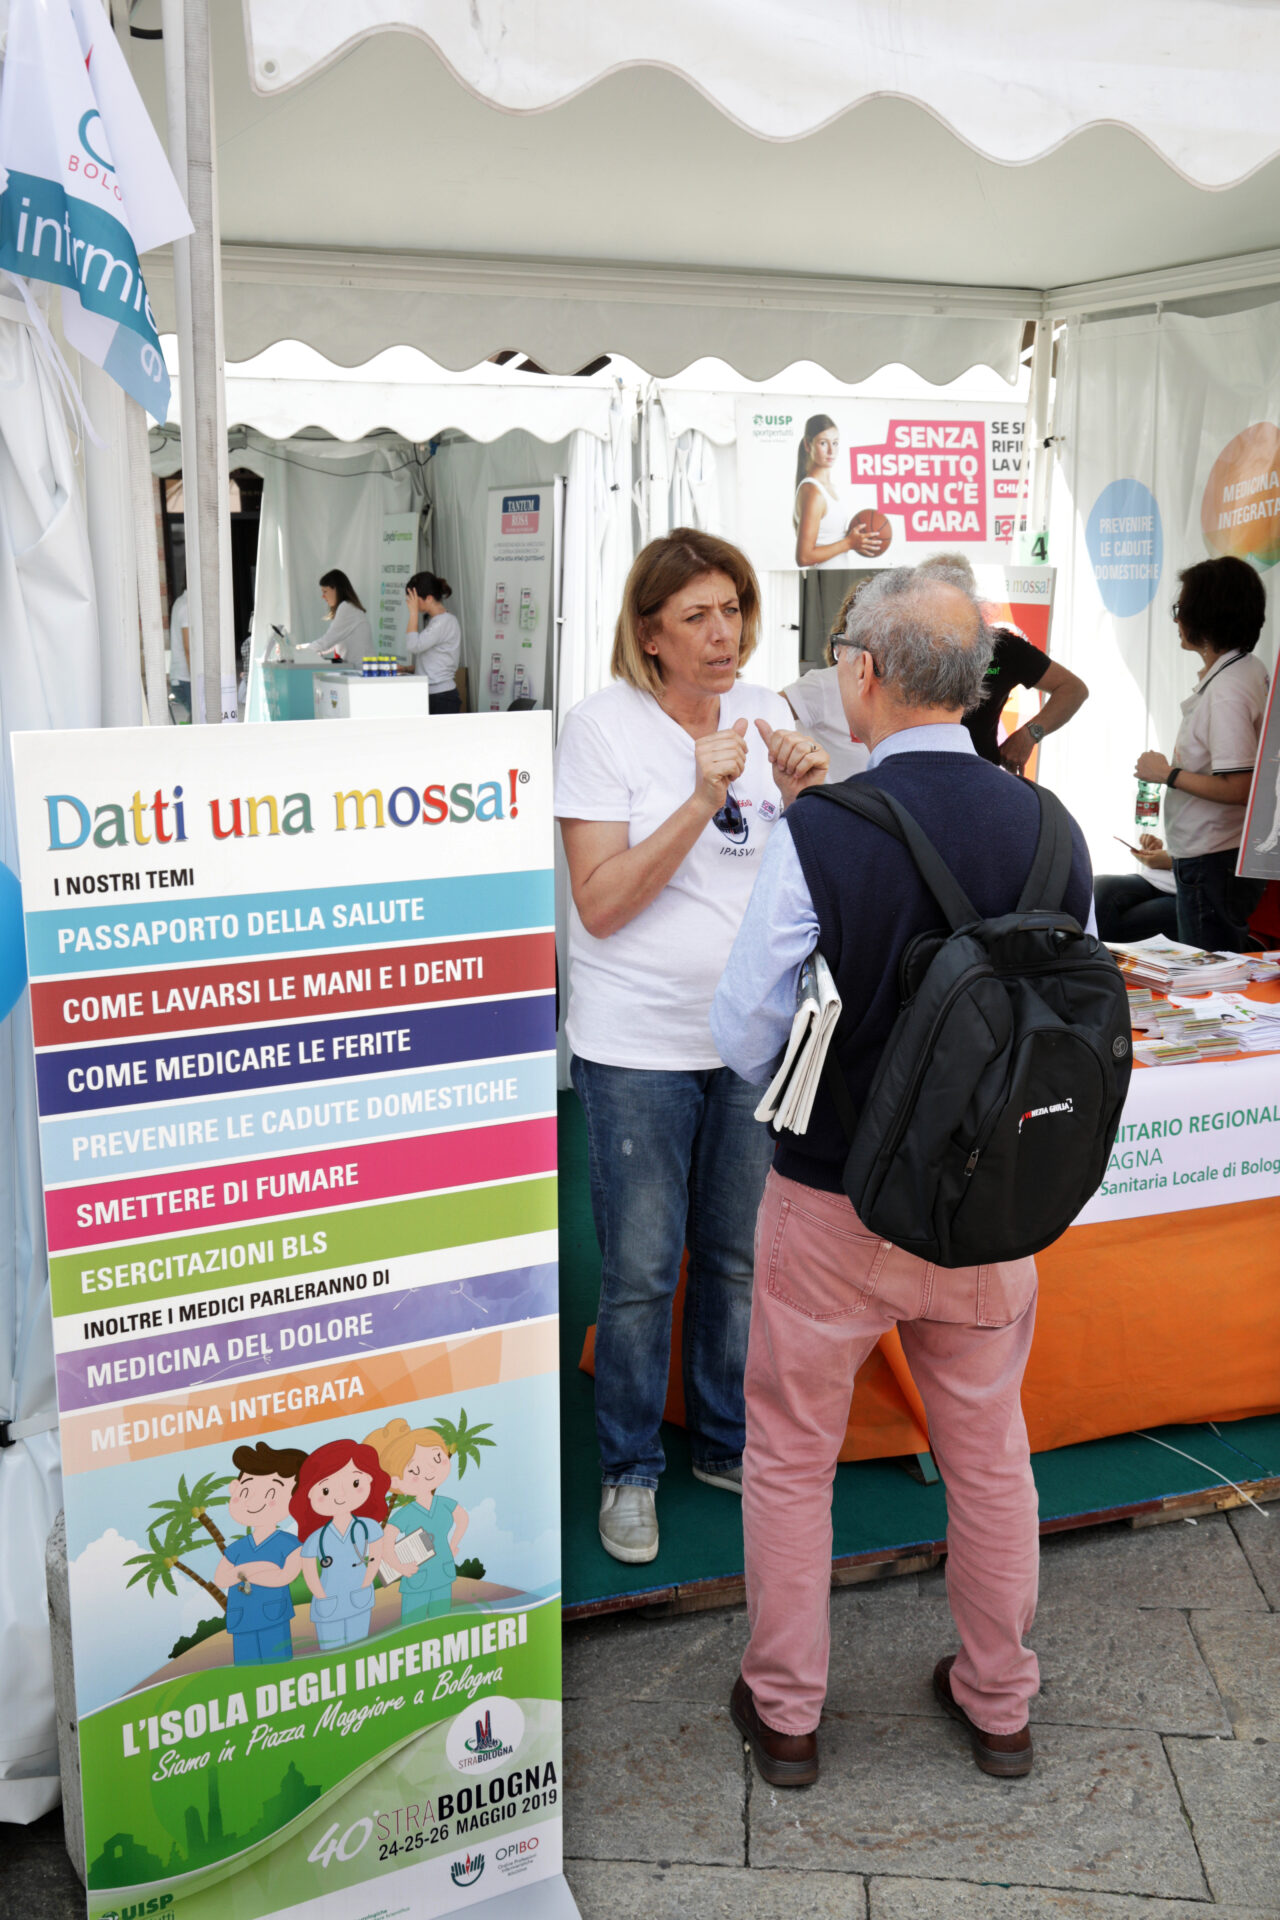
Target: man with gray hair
x,y
911,662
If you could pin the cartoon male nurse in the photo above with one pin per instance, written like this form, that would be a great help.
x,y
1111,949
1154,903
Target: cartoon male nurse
x,y
255,1572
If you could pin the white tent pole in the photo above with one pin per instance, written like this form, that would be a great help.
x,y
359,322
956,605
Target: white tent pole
x,y
1037,431
142,494
108,511
206,492
175,92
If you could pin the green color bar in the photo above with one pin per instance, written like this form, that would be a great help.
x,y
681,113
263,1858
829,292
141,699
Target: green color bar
x,y
347,1240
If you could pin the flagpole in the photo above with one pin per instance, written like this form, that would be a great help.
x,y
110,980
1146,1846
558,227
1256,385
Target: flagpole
x,y
198,303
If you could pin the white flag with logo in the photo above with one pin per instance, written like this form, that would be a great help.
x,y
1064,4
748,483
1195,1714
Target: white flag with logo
x,y
85,186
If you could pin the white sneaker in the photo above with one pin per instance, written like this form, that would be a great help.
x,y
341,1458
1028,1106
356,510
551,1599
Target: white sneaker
x,y
629,1524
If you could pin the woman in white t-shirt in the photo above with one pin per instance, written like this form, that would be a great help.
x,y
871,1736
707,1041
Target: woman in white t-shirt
x,y
825,530
436,649
1219,611
668,783
348,635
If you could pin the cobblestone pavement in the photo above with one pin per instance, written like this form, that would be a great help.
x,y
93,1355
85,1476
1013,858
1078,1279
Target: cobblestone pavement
x,y
1156,1789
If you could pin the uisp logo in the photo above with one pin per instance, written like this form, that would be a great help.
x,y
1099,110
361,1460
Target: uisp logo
x,y
465,1872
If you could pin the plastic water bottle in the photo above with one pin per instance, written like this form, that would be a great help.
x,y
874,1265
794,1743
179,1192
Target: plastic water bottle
x,y
1146,814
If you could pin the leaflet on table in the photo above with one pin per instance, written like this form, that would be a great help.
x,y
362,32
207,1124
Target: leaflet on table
x,y
296,1076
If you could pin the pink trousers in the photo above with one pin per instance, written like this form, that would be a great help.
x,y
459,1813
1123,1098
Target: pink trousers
x,y
825,1291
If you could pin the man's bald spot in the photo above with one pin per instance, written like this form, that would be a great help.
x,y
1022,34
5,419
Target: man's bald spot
x,y
945,611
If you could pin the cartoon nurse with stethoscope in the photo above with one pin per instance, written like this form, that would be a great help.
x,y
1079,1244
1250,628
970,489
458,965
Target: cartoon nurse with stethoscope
x,y
339,1508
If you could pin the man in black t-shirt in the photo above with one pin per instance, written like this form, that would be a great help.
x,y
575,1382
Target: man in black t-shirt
x,y
1014,663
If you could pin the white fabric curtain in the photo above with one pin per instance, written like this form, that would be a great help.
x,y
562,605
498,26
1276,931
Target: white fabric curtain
x,y
323,504
1163,429
49,677
458,481
1196,81
598,551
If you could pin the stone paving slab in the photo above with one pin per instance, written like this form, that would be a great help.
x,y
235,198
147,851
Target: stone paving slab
x,y
1242,1651
953,1900
615,1891
1232,1795
1260,1540
653,1781
1100,1812
1177,1565
690,1656
1099,1667
37,1881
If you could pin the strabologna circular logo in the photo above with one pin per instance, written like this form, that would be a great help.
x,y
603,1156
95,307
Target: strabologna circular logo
x,y
485,1734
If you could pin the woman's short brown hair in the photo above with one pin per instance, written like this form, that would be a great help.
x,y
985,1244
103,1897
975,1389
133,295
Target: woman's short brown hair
x,y
663,568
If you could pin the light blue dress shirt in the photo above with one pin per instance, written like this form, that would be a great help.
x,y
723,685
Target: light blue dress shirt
x,y
755,1003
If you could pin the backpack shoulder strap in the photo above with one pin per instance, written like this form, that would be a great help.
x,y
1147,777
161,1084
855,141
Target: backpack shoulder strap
x,y
1050,874
873,804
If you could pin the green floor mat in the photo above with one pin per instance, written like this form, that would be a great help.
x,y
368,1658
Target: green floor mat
x,y
877,1505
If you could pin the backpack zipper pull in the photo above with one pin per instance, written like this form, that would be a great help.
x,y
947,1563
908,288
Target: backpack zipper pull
x,y
971,1162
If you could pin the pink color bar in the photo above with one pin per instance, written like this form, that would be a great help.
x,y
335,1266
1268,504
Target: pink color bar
x,y
237,1191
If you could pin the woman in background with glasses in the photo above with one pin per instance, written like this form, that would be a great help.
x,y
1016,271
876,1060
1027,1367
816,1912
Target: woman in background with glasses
x,y
1219,613
668,783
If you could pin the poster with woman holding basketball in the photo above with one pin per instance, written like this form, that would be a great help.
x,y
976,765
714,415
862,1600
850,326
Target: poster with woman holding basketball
x,y
827,529
854,482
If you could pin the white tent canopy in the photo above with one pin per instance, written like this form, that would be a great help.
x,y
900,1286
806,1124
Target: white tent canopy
x,y
1013,78
291,387
380,200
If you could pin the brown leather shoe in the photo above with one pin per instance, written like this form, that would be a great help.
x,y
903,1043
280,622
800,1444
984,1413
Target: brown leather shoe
x,y
783,1759
1006,1755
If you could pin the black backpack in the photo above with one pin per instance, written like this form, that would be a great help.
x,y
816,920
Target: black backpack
x,y
998,1096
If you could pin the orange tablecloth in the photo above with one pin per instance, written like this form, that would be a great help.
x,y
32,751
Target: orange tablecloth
x,y
1162,1319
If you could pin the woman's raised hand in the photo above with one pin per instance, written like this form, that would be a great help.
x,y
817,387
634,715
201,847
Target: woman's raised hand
x,y
720,758
797,761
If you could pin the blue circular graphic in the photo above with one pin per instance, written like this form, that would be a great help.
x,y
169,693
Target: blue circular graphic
x,y
1125,540
13,948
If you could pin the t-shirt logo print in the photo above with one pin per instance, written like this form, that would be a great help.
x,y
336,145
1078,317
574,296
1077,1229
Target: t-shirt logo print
x,y
731,820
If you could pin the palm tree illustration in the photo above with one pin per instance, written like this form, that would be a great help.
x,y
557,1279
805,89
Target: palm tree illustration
x,y
165,1557
463,1442
191,1506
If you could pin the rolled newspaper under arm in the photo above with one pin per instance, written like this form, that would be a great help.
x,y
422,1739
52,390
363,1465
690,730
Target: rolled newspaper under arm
x,y
788,1100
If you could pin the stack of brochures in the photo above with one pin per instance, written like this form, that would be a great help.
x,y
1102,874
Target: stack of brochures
x,y
1206,1026
1171,967
790,1096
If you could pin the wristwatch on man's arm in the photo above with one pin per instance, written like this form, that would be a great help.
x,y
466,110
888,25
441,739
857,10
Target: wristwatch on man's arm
x,y
1035,730
1171,778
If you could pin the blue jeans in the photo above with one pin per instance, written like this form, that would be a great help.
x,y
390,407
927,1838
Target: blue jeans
x,y
1214,905
676,1159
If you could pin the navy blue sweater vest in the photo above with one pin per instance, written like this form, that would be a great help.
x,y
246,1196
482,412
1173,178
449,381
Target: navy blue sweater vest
x,y
871,903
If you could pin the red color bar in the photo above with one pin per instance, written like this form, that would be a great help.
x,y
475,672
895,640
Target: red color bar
x,y
121,1006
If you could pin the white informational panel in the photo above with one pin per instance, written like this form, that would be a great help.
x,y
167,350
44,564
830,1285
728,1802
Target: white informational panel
x,y
398,561
1194,1136
916,475
518,608
294,1019
1260,846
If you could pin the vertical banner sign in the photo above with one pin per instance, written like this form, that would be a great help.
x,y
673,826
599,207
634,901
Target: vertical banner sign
x,y
515,617
397,562
295,1025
